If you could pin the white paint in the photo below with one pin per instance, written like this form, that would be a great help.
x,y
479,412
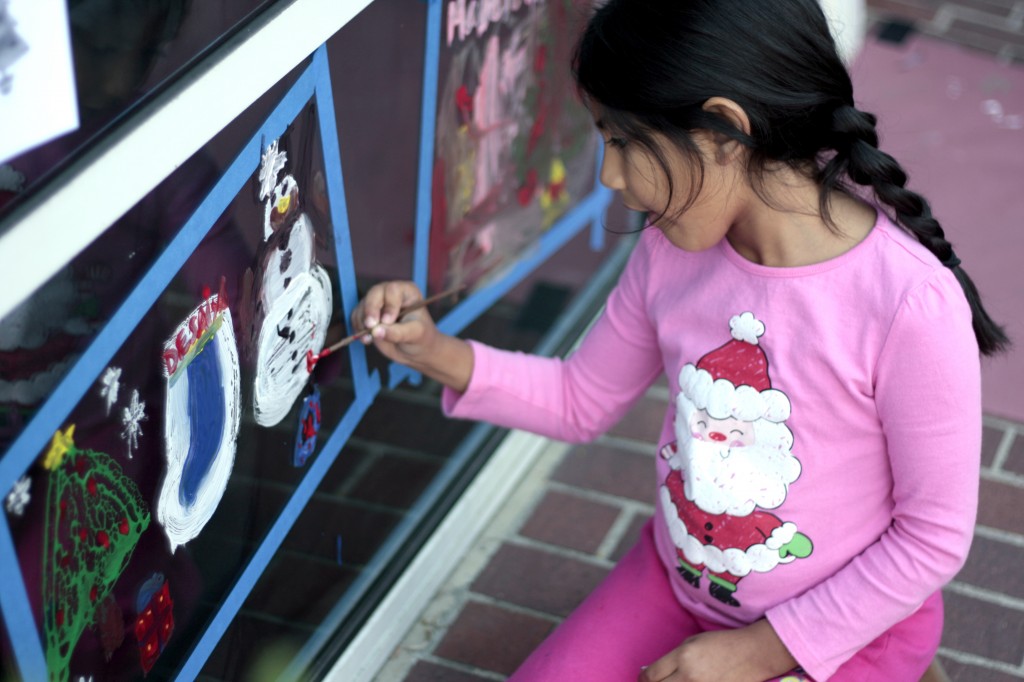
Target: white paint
x,y
294,295
19,496
131,422
304,310
182,523
158,138
110,386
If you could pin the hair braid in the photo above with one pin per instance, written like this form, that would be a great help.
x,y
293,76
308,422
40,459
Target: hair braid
x,y
859,159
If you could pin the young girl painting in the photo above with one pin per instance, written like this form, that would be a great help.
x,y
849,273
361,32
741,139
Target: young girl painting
x,y
817,473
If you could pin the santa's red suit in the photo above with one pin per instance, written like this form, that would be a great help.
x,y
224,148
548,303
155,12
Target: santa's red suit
x,y
722,531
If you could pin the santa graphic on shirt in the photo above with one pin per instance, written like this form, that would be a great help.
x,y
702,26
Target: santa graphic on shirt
x,y
731,462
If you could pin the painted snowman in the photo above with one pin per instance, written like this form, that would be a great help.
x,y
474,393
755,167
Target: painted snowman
x,y
292,296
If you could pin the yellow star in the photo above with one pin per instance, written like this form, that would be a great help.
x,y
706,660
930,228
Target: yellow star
x,y
62,442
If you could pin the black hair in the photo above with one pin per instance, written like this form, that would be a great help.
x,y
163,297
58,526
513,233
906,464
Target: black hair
x,y
650,65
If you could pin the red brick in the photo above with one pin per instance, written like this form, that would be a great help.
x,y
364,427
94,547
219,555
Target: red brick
x,y
995,566
630,537
570,521
492,638
999,9
643,421
401,423
1015,458
1000,506
915,10
539,580
983,37
297,589
609,470
991,437
969,628
395,481
962,672
424,671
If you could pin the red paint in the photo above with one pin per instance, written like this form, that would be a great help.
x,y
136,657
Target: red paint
x,y
92,593
464,102
59,617
525,193
308,427
103,539
154,626
83,534
555,189
123,528
193,328
90,485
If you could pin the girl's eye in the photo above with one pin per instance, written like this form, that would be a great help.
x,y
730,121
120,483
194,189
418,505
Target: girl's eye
x,y
617,142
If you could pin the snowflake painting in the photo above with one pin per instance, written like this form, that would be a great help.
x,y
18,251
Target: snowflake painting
x,y
110,385
19,497
131,421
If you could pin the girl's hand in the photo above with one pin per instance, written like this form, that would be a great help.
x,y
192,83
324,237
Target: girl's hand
x,y
750,654
402,340
412,339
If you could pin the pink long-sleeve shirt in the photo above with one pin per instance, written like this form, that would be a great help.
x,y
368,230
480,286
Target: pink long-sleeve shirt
x,y
818,461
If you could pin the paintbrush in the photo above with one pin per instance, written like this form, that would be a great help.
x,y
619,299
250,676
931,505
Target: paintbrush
x,y
312,359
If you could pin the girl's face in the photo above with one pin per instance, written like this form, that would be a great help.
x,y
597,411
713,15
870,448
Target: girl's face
x,y
632,170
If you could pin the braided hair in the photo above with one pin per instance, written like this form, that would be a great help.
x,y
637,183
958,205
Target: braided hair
x,y
652,64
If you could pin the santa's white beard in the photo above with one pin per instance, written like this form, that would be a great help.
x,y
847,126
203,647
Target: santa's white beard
x,y
724,480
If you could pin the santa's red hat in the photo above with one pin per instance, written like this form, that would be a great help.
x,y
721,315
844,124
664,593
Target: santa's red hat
x,y
732,380
741,361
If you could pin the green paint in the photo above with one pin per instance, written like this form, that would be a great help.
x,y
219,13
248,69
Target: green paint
x,y
94,517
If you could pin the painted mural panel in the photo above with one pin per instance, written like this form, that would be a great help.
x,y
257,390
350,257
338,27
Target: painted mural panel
x,y
514,148
118,523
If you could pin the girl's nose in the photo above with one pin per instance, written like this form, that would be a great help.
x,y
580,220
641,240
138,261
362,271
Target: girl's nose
x,y
611,170
716,436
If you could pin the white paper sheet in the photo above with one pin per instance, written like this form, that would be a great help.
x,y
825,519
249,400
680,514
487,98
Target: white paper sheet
x,y
37,79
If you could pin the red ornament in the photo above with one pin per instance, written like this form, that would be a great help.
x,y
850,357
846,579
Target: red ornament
x,y
154,626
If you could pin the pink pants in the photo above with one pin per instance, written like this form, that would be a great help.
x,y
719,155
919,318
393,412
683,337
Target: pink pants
x,y
633,618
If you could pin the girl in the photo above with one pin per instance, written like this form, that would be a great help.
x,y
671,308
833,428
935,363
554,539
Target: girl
x,y
818,469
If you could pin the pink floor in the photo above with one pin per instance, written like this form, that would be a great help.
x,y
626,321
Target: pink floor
x,y
955,120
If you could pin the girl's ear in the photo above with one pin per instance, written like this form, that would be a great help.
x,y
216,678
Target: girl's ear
x,y
726,147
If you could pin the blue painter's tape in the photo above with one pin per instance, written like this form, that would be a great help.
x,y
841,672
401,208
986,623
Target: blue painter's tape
x,y
428,122
17,611
363,382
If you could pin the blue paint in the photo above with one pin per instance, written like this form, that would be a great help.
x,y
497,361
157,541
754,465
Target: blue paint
x,y
339,550
308,428
206,417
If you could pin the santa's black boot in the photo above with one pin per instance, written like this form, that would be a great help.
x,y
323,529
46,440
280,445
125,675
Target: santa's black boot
x,y
689,576
723,594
